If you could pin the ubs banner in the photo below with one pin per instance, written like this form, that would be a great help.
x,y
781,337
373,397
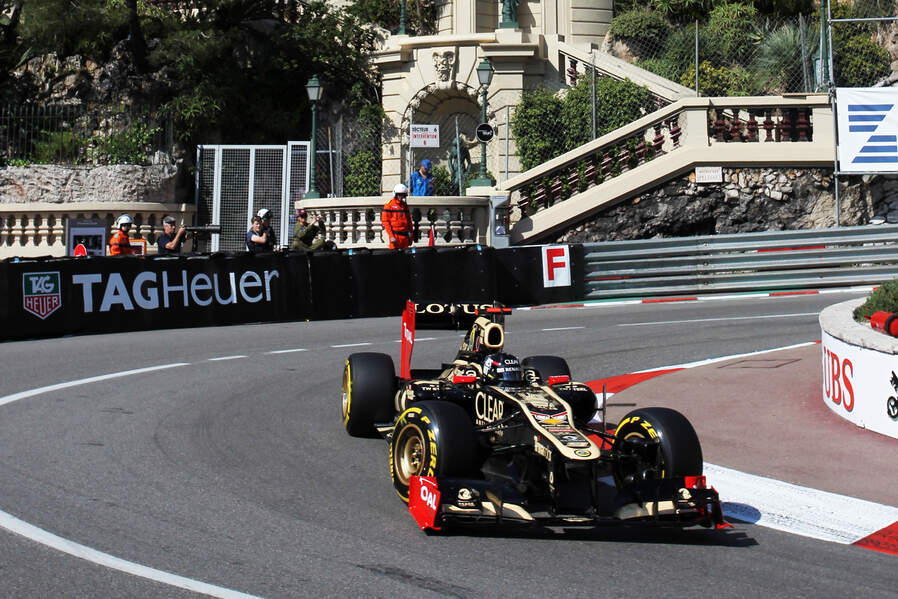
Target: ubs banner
x,y
861,385
65,296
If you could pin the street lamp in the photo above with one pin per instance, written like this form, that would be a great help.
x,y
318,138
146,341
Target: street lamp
x,y
313,88
485,75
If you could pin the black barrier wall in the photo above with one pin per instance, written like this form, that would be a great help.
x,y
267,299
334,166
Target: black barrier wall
x,y
60,296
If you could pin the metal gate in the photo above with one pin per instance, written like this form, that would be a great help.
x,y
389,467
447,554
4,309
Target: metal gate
x,y
234,182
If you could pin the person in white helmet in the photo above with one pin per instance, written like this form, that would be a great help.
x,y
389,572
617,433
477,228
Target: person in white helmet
x,y
396,220
119,243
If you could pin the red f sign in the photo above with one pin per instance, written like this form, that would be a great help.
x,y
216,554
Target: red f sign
x,y
556,266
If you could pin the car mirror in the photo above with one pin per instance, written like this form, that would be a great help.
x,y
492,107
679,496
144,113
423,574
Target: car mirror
x,y
554,380
463,379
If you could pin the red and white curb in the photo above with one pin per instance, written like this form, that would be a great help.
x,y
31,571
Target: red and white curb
x,y
781,505
699,298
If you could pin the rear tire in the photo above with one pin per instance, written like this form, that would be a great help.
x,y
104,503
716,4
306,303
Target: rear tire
x,y
369,387
546,366
431,438
681,452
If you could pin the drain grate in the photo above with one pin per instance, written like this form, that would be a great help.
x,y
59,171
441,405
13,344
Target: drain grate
x,y
760,363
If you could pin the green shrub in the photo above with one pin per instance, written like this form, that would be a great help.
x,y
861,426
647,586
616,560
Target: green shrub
x,y
538,143
861,62
129,146
884,297
778,62
732,27
57,146
362,176
720,81
442,186
643,31
661,66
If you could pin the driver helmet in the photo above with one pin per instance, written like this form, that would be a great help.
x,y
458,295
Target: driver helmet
x,y
502,368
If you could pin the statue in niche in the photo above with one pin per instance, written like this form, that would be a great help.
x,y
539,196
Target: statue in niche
x,y
460,157
509,13
443,63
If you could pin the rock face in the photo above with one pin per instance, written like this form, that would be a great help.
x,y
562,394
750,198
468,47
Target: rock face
x,y
112,183
747,200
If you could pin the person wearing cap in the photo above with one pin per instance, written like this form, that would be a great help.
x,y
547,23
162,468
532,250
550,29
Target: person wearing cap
x,y
170,242
272,241
396,220
119,243
307,235
421,181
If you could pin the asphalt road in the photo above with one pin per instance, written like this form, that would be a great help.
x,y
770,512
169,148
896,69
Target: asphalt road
x,y
236,472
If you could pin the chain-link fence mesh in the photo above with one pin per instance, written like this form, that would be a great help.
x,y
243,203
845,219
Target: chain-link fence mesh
x,y
739,51
80,134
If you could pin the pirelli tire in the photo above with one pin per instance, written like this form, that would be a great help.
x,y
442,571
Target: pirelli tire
x,y
681,452
431,438
369,387
547,366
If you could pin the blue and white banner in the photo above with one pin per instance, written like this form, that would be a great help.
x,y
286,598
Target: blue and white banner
x,y
868,129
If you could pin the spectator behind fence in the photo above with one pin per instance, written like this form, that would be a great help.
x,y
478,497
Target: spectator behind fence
x,y
170,242
396,220
256,238
421,181
119,243
272,241
308,235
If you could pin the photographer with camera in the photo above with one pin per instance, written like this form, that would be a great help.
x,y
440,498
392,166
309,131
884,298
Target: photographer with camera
x,y
169,243
309,236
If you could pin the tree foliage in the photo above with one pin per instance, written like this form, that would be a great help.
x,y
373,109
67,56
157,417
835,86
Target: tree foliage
x,y
546,124
229,70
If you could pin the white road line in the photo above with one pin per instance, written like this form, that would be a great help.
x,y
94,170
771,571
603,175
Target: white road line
x,y
564,329
352,344
94,379
48,539
795,509
417,339
29,531
223,358
288,351
662,322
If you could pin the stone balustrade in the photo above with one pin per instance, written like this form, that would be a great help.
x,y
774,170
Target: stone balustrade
x,y
355,222
38,229
791,131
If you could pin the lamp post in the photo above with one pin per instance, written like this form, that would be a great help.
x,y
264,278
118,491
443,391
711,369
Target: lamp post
x,y
485,76
401,30
313,88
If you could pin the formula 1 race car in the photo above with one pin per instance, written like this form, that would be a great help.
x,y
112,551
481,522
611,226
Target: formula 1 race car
x,y
488,438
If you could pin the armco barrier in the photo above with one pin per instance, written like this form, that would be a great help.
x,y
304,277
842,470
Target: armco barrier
x,y
59,296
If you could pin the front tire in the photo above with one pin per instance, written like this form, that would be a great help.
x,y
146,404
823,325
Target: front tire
x,y
681,452
431,438
369,387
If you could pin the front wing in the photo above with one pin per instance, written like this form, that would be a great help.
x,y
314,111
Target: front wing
x,y
438,501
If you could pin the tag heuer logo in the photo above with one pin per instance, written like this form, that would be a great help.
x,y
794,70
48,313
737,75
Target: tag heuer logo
x,y
41,293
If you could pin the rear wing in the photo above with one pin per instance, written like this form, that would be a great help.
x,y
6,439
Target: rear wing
x,y
441,315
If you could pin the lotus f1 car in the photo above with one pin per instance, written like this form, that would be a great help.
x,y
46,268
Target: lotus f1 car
x,y
490,439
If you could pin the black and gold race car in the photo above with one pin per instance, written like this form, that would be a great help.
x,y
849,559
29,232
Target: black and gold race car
x,y
491,439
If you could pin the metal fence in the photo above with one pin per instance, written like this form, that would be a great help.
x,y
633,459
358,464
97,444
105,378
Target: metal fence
x,y
80,134
773,261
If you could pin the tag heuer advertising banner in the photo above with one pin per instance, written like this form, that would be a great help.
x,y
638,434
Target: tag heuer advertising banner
x,y
71,296
868,129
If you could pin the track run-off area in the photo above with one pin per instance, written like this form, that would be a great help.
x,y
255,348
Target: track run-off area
x,y
212,461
